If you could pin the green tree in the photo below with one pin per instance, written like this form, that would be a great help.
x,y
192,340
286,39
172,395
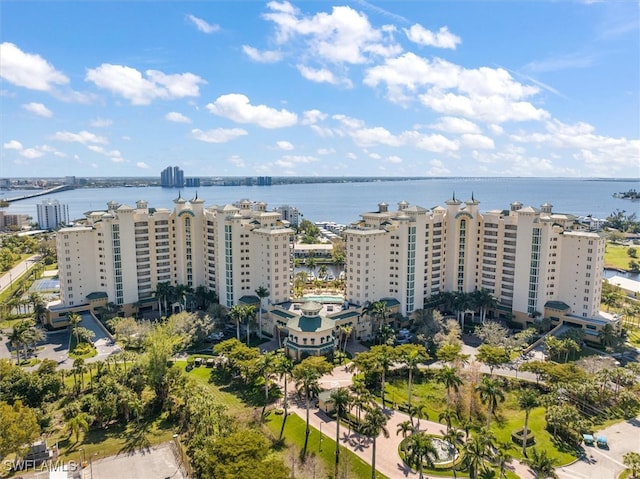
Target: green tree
x,y
262,293
411,355
632,461
237,315
160,345
341,402
491,394
384,357
492,356
541,464
19,427
405,428
420,451
527,400
448,376
74,320
163,293
374,424
306,374
77,423
267,364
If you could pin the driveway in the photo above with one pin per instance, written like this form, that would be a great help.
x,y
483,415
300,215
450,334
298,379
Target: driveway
x,y
599,463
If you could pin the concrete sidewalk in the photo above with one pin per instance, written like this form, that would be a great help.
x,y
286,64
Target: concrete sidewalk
x,y
18,270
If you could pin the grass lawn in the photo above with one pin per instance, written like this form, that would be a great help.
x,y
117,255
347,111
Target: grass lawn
x,y
633,336
615,256
203,375
113,440
433,395
294,432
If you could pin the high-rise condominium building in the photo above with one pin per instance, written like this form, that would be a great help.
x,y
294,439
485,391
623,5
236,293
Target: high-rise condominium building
x,y
531,261
52,214
126,251
526,258
172,177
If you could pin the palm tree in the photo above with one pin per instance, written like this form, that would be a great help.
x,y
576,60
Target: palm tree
x,y
346,331
476,451
461,303
491,393
267,366
79,422
307,373
162,293
384,356
542,465
237,315
455,437
502,457
249,315
632,461
527,400
74,320
19,336
377,312
284,367
411,355
374,425
262,293
420,450
341,402
448,376
182,292
79,369
447,416
322,271
405,428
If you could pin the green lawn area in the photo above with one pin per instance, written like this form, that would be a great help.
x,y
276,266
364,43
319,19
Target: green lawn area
x,y
510,417
294,432
615,256
633,336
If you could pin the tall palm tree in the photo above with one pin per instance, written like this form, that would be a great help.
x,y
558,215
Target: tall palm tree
x,y
261,293
237,314
447,416
284,367
411,355
527,400
249,315
20,336
74,320
162,293
182,292
346,331
476,452
448,376
502,457
455,437
79,422
420,451
341,402
491,393
542,465
267,367
307,374
384,356
374,425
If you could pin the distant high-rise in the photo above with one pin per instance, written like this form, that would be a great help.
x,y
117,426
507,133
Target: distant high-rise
x,y
51,214
264,181
192,182
172,177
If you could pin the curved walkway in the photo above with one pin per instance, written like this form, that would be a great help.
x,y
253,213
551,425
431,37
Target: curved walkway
x,y
388,461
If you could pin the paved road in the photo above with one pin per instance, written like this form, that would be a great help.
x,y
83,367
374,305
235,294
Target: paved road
x,y
14,273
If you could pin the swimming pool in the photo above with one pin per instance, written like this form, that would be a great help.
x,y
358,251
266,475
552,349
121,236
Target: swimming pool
x,y
324,299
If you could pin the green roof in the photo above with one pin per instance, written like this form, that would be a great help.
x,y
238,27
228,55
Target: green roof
x,y
559,305
390,302
283,314
250,299
309,324
348,313
97,295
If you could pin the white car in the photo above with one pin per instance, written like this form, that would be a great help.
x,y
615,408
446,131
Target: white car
x,y
216,336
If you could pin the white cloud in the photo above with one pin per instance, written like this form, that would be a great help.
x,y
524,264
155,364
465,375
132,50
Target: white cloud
x,y
352,156
218,135
476,141
237,161
113,155
450,124
394,159
38,109
496,129
326,151
84,137
342,36
290,161
31,153
202,25
284,145
101,123
322,75
441,39
28,70
437,168
264,56
237,107
563,62
177,117
487,94
130,83
12,145
143,165
310,117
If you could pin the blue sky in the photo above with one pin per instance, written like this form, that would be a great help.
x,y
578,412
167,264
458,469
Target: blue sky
x,y
344,88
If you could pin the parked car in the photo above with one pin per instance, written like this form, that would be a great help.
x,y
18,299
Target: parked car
x,y
217,336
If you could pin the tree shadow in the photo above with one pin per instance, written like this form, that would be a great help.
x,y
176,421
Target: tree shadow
x,y
137,440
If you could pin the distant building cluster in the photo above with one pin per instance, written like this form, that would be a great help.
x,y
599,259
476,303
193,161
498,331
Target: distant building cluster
x,y
52,214
264,181
172,177
290,214
13,222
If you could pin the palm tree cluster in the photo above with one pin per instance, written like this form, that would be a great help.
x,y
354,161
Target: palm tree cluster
x,y
25,334
166,294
